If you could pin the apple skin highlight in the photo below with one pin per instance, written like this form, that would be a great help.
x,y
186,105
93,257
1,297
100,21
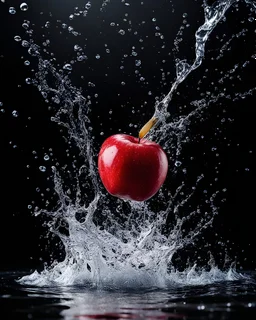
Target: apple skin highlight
x,y
131,169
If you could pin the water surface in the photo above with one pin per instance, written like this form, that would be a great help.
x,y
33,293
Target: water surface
x,y
221,300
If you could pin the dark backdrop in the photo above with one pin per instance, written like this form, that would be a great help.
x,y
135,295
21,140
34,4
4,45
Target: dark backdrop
x,y
22,236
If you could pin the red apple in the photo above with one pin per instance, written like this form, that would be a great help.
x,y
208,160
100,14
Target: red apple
x,y
132,169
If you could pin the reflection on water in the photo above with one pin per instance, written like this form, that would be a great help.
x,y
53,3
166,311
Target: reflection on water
x,y
222,300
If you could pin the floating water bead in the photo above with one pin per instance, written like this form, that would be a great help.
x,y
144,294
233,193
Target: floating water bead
x,y
24,6
12,10
25,25
46,157
67,67
88,5
81,58
15,113
77,47
17,38
42,168
25,43
177,163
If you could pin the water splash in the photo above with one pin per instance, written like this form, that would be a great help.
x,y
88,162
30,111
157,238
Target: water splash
x,y
112,243
213,15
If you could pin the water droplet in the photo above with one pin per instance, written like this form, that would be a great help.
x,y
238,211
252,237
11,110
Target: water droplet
x,y
88,5
1,104
177,163
153,19
12,10
42,168
2,110
17,38
202,307
28,81
77,47
97,56
44,94
137,63
122,32
27,63
184,15
81,58
33,51
67,67
25,25
123,83
24,6
25,43
15,113
245,64
112,24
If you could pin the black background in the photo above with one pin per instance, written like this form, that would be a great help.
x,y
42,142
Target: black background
x,y
22,236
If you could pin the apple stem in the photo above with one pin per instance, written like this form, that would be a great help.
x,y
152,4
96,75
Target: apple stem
x,y
149,125
139,140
